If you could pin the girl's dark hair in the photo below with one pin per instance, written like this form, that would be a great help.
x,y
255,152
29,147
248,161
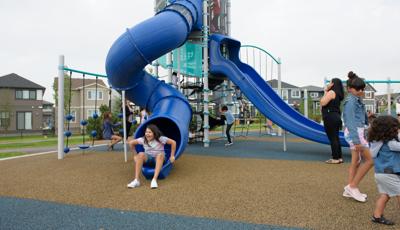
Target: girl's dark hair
x,y
338,88
224,108
355,82
384,128
107,115
156,131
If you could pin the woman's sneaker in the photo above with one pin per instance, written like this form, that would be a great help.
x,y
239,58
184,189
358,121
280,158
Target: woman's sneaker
x,y
354,193
382,220
135,183
153,184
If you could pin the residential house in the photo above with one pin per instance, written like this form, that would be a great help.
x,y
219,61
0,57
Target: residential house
x,y
369,98
314,95
290,93
48,115
84,101
21,105
381,102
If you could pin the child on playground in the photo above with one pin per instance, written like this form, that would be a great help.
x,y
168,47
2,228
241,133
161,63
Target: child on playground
x,y
153,143
108,133
355,119
384,138
230,119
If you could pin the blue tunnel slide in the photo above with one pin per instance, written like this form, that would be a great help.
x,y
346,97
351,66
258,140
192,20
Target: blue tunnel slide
x,y
171,112
138,47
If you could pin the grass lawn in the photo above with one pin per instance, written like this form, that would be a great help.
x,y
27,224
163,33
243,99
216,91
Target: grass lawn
x,y
25,138
11,154
39,141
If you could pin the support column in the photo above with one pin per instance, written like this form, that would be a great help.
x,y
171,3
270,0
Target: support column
x,y
389,101
169,66
206,90
60,108
124,124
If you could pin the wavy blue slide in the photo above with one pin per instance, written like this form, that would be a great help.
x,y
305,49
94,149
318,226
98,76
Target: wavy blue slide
x,y
260,93
138,47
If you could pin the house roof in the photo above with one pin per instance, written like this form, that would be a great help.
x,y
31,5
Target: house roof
x,y
312,88
384,96
274,84
47,103
368,86
77,83
14,81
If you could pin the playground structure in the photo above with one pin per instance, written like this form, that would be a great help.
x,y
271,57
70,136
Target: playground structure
x,y
172,26
68,116
180,25
178,22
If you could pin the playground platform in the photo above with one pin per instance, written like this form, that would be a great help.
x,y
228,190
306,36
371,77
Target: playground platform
x,y
252,184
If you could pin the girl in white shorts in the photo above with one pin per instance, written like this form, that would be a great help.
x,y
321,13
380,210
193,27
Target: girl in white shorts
x,y
385,149
153,143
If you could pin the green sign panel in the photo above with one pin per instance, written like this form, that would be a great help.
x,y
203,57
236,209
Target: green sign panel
x,y
190,57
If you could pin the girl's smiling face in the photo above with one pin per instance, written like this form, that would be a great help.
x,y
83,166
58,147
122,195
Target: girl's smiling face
x,y
149,134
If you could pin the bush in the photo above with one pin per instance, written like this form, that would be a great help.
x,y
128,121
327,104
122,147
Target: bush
x,y
95,124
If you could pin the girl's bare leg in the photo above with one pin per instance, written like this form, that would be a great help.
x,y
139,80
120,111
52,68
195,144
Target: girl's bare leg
x,y
159,163
380,205
363,169
139,159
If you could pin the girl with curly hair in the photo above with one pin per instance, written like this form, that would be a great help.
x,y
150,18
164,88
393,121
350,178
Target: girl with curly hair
x,y
383,136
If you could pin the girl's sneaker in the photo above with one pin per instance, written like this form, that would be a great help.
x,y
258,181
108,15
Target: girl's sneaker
x,y
153,184
382,220
135,183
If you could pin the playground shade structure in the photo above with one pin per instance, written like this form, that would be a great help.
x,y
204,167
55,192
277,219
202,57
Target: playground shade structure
x,y
171,111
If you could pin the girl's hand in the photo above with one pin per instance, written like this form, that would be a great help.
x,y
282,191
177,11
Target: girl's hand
x,y
172,159
329,87
359,148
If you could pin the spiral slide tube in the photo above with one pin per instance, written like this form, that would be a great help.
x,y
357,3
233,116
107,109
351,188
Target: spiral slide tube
x,y
138,47
260,93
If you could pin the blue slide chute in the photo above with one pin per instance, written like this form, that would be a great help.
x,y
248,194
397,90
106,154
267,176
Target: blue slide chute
x,y
260,93
138,47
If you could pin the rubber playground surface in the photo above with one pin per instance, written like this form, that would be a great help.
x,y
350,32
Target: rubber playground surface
x,y
252,184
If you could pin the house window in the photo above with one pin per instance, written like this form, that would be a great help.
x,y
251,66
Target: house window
x,y
285,94
39,94
317,108
91,95
4,119
25,94
24,120
368,95
314,95
32,95
90,112
18,94
295,93
369,108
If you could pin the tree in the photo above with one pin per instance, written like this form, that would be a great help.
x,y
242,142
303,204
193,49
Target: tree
x,y
67,94
97,124
5,96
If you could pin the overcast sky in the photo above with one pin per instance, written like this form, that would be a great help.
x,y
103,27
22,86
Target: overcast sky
x,y
314,38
